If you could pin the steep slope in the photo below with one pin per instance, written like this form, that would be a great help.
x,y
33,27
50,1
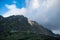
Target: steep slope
x,y
19,26
40,29
21,23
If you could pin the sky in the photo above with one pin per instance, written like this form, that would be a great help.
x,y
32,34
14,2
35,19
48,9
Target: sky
x,y
45,12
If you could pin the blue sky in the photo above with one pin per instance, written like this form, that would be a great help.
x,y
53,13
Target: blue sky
x,y
45,12
19,4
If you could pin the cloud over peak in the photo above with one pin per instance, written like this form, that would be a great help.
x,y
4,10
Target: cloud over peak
x,y
14,11
42,11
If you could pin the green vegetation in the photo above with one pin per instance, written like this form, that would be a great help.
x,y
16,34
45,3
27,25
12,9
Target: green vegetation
x,y
27,36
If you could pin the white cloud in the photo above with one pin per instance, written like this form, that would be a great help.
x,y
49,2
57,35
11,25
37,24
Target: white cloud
x,y
56,31
14,11
40,8
34,4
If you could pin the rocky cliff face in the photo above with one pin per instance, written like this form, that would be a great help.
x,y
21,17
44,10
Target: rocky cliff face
x,y
20,28
39,29
19,23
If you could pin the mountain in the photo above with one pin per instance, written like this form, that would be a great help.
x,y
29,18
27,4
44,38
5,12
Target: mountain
x,y
13,26
40,29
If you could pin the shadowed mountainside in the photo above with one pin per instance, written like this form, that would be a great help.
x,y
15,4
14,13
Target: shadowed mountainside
x,y
19,27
